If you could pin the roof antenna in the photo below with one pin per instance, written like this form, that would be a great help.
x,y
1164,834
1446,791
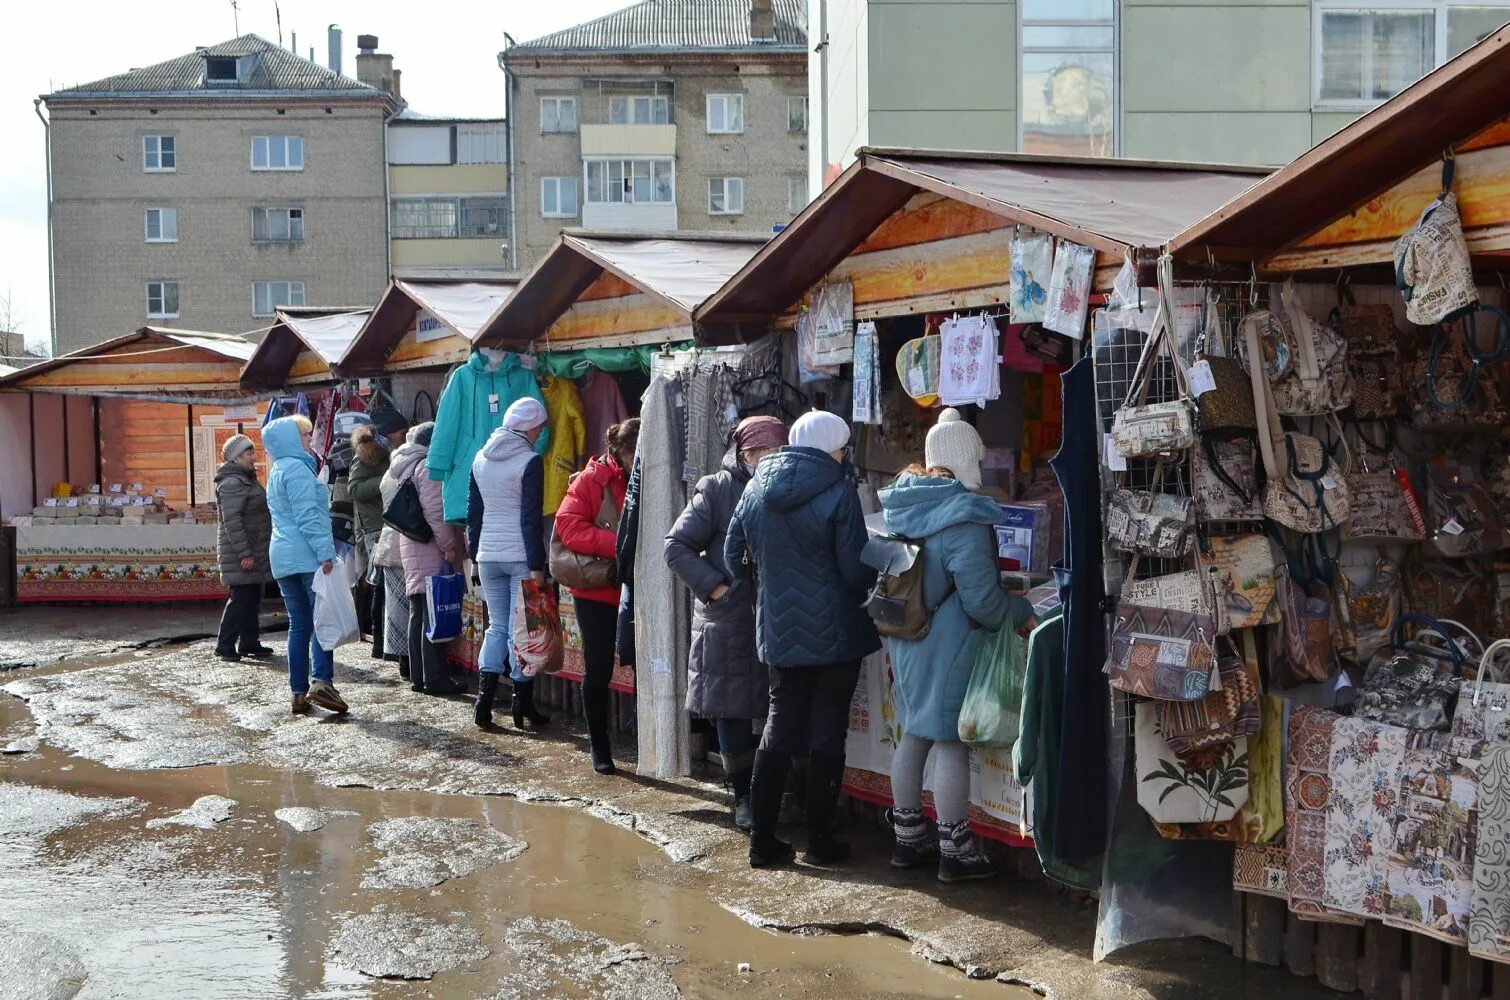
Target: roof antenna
x,y
236,16
278,14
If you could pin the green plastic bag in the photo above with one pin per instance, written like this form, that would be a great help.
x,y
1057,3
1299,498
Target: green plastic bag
x,y
992,713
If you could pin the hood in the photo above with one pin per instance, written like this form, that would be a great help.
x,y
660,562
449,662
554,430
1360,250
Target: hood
x,y
230,470
281,440
919,506
405,457
487,359
504,443
793,476
372,454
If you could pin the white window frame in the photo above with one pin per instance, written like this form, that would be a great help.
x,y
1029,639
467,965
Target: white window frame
x,y
1441,9
651,101
725,182
290,209
559,100
556,183
627,177
163,214
159,169
273,307
791,194
795,102
1115,23
162,295
288,143
727,99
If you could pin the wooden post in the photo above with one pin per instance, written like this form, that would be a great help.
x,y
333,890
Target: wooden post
x,y
1499,985
1465,977
1337,957
1425,968
1380,974
1300,946
1259,933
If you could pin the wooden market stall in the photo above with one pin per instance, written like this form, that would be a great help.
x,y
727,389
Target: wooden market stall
x,y
301,347
124,438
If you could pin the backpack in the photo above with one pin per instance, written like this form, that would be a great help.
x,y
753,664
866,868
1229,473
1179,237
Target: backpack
x,y
896,602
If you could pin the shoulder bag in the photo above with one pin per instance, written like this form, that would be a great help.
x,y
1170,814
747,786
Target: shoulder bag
x,y
1414,684
1151,521
584,572
1217,720
405,513
1482,716
1461,515
1163,636
1377,501
1148,430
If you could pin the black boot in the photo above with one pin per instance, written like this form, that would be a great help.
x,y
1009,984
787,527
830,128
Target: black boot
x,y
739,782
487,690
961,857
438,680
794,802
913,846
825,773
597,734
767,783
524,706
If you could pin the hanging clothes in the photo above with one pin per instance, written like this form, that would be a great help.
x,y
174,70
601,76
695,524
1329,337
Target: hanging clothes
x,y
711,415
471,408
602,407
568,448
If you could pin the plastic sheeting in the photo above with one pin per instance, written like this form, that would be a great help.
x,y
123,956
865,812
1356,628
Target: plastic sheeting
x,y
327,336
575,364
463,306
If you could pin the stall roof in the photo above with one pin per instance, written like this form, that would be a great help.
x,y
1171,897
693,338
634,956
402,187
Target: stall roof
x,y
153,360
1402,137
462,306
1111,205
323,333
680,269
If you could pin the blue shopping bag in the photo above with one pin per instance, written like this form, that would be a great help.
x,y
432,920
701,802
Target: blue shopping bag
x,y
443,593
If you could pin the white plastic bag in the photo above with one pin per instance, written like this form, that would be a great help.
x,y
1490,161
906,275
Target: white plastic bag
x,y
335,608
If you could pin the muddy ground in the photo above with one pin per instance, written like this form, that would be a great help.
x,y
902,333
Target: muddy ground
x,y
171,830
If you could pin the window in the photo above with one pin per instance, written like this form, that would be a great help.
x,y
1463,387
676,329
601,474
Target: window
x,y
159,153
796,114
633,182
270,295
162,300
484,217
277,152
479,144
796,194
277,225
642,110
220,69
726,113
162,225
1069,77
424,218
558,197
726,196
1369,52
558,114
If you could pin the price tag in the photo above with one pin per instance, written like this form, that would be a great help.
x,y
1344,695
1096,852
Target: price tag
x,y
1328,481
50,502
115,488
72,502
136,487
160,492
1114,461
1452,527
139,502
1201,379
493,403
94,489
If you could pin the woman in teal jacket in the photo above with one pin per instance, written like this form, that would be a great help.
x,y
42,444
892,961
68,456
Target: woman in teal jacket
x,y
301,545
471,408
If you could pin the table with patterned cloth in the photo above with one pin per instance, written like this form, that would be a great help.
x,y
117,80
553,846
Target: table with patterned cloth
x,y
464,651
139,563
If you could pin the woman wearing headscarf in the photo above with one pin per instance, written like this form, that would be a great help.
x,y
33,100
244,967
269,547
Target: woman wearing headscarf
x,y
797,534
244,532
505,538
726,681
422,560
301,545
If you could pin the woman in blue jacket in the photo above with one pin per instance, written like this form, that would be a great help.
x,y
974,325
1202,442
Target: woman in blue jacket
x,y
301,546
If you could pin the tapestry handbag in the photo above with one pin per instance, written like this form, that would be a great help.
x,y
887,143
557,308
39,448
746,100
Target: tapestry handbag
x,y
1222,482
1432,267
1151,521
579,571
1451,589
1221,717
1374,608
1461,515
1499,582
1305,652
1141,429
1246,565
1378,504
1206,788
406,514
1305,362
1482,715
1163,652
1377,392
1412,684
1367,329
1311,495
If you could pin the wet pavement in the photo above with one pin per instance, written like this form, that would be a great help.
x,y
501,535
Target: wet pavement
x,y
176,833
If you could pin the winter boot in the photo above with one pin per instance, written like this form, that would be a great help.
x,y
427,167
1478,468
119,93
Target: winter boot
x,y
403,669
597,734
825,773
487,690
524,706
961,858
794,802
438,675
913,846
739,769
767,783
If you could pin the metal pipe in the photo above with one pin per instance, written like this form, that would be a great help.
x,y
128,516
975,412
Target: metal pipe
x,y
52,289
508,135
31,421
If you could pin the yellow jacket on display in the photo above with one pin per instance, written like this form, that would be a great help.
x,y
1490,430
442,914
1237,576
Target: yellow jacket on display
x,y
568,448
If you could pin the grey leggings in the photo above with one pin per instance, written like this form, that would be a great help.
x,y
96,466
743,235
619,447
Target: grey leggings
x,y
951,776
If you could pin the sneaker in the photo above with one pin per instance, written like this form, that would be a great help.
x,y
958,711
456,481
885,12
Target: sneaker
x,y
301,704
230,656
324,695
258,652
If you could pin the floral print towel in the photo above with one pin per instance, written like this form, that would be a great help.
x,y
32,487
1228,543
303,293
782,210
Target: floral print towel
x,y
1365,773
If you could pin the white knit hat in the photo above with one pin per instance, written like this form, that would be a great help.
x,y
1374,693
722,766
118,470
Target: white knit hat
x,y
524,414
956,446
826,432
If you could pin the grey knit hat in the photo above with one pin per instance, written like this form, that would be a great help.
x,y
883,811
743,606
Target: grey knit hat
x,y
235,446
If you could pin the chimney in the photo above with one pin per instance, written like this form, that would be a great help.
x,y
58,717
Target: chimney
x,y
373,67
334,35
762,21
397,91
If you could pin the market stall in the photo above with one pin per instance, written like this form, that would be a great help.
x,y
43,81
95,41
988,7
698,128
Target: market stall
x,y
302,347
998,257
124,438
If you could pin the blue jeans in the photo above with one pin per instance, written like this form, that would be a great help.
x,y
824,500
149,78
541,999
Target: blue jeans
x,y
298,593
500,589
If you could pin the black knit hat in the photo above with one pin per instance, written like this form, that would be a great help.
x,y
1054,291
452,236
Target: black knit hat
x,y
386,420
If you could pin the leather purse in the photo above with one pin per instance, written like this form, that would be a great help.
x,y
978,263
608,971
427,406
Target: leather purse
x,y
576,570
406,514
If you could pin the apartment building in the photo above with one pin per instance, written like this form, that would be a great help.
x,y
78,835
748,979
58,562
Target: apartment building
x,y
1237,81
205,191
666,115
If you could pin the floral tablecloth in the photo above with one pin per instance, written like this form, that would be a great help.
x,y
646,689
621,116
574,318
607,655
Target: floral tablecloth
x,y
143,563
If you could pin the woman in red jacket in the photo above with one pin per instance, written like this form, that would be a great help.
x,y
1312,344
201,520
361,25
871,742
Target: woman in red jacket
x,y
586,526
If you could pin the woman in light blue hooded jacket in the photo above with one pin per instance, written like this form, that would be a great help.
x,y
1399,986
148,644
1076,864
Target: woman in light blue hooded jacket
x,y
301,546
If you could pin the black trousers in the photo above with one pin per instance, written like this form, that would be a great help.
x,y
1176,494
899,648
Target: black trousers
x,y
810,709
427,661
599,624
238,623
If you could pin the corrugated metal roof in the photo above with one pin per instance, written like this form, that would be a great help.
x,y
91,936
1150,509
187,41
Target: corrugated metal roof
x,y
273,69
677,24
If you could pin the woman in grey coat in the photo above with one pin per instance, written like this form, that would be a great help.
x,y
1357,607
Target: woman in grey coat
x,y
243,535
726,681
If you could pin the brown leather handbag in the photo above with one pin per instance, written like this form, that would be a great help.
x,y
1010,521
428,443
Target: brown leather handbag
x,y
578,570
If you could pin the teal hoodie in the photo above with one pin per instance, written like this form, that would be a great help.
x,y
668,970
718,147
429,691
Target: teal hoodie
x,y
466,417
298,502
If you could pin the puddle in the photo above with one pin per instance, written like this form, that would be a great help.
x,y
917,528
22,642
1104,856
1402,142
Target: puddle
x,y
283,887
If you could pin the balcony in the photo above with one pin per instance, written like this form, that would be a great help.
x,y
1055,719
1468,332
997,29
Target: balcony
x,y
655,217
628,140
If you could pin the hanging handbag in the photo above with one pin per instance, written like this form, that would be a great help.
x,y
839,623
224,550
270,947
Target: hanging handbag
x,y
1461,515
1246,566
1378,505
1413,684
1217,720
1459,590
1150,521
1148,430
1377,392
1306,363
1223,483
1166,650
405,513
1482,715
1366,329
1432,267
576,570
1311,494
1373,608
1208,788
1305,652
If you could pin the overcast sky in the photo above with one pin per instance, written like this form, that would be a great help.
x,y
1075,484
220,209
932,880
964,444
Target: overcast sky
x,y
447,49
